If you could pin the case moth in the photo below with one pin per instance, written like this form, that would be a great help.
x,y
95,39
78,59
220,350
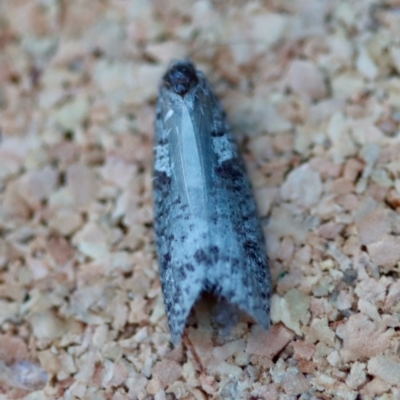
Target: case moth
x,y
208,236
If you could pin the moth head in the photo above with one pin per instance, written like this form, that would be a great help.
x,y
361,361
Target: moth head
x,y
180,77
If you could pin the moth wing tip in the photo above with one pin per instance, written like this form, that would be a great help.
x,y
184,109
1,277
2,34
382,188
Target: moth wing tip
x,y
265,324
263,319
178,312
175,339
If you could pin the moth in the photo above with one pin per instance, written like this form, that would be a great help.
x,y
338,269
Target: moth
x,y
209,239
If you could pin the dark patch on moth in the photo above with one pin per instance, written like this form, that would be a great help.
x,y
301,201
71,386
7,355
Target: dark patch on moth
x,y
176,298
166,259
181,78
235,262
218,132
176,201
229,170
201,257
264,295
163,141
161,180
214,251
189,267
182,273
251,248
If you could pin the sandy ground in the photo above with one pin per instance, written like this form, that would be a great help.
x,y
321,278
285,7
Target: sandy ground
x,y
312,91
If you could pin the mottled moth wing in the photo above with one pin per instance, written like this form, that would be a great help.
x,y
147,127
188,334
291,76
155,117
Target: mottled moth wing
x,y
208,236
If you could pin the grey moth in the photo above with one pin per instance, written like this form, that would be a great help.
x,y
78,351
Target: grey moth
x,y
208,236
